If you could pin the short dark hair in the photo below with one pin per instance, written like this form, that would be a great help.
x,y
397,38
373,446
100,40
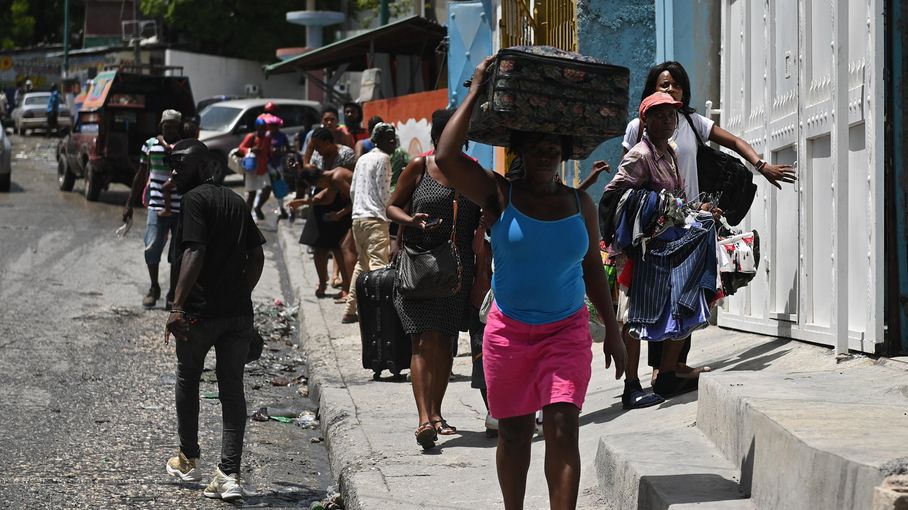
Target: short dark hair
x,y
374,121
678,74
328,109
323,135
521,139
310,176
440,119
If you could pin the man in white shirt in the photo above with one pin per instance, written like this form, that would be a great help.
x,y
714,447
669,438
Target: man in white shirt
x,y
370,192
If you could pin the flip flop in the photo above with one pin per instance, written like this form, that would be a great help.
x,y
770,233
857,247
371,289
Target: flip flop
x,y
426,436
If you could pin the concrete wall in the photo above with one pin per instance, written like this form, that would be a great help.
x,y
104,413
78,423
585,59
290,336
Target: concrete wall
x,y
621,32
690,34
211,75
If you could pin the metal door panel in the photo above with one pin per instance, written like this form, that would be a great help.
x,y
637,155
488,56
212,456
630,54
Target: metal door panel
x,y
818,269
789,46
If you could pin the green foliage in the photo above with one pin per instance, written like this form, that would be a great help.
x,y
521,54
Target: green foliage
x,y
29,22
368,9
235,28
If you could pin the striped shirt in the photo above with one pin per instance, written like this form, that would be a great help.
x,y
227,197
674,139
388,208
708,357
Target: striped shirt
x,y
154,155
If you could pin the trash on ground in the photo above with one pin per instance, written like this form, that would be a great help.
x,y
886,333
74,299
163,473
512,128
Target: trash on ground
x,y
282,419
307,420
280,380
266,413
316,440
210,395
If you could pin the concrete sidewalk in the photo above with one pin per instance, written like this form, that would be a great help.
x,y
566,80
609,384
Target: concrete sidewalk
x,y
369,426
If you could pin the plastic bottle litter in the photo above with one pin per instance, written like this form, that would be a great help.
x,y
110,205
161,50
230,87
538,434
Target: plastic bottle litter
x,y
306,420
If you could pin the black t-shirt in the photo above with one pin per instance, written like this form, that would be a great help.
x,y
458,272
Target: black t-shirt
x,y
216,217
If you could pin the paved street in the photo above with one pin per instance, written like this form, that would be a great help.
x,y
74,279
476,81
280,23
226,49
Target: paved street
x,y
86,383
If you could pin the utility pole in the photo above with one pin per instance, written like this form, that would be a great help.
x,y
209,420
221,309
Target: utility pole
x,y
65,38
384,12
137,38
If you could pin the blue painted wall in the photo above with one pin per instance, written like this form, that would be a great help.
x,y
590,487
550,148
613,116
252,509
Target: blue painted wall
x,y
897,183
689,32
638,35
469,42
621,32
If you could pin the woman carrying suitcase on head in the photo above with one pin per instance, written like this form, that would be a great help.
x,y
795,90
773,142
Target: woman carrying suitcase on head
x,y
537,349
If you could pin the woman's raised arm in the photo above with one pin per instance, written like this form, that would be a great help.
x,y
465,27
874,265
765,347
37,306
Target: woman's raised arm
x,y
483,187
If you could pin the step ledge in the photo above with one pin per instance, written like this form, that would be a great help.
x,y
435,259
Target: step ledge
x,y
633,473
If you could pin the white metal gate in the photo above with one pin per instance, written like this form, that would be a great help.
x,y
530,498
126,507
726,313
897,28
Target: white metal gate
x,y
802,82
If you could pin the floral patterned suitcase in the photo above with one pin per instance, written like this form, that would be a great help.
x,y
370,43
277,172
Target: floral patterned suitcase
x,y
548,90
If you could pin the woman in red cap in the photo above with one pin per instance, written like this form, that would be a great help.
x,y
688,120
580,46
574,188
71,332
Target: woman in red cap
x,y
671,77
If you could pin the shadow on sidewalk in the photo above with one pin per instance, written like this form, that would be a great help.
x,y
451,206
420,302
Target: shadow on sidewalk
x,y
464,439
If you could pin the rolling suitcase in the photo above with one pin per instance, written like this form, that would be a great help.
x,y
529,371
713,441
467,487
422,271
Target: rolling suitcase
x,y
547,90
385,344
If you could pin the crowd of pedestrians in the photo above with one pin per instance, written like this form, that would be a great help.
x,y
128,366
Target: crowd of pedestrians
x,y
367,205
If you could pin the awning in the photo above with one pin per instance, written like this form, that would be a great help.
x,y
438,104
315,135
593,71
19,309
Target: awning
x,y
410,36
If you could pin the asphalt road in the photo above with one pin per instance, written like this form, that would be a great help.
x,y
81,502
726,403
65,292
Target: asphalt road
x,y
86,382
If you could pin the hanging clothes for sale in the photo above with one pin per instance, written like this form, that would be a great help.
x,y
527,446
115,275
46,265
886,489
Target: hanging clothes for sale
x,y
673,282
739,259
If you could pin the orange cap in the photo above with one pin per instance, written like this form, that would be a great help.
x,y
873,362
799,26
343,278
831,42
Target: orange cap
x,y
657,98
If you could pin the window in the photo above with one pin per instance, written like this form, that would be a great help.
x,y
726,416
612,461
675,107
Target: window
x,y
218,118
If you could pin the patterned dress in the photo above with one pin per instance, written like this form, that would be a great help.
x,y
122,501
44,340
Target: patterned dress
x,y
446,314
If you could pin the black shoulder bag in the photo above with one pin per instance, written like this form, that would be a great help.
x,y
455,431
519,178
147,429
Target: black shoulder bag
x,y
722,174
432,273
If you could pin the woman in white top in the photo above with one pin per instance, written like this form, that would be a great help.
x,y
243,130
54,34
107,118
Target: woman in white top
x,y
671,78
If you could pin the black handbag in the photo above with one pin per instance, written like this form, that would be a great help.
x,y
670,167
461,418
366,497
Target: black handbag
x,y
721,174
432,273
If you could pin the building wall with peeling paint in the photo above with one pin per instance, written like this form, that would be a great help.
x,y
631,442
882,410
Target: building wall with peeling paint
x,y
620,32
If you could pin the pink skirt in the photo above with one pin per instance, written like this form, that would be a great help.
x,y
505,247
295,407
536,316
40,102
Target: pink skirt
x,y
528,367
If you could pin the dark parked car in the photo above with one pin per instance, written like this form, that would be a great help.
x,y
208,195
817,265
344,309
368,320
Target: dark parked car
x,y
121,111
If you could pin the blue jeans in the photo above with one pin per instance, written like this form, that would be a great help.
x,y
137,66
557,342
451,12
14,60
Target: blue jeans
x,y
156,231
230,337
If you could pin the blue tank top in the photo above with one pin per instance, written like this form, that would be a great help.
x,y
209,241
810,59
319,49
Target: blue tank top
x,y
538,277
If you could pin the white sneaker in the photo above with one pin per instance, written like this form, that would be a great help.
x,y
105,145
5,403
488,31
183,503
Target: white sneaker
x,y
226,487
184,468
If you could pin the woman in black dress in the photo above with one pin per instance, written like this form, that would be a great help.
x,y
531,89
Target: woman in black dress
x,y
329,217
422,195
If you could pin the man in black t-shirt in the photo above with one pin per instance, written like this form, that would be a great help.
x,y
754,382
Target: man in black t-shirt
x,y
219,260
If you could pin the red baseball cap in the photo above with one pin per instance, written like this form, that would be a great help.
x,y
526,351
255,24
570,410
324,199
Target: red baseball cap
x,y
657,98
269,106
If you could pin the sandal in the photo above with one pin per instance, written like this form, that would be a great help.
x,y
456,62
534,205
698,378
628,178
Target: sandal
x,y
445,430
341,298
635,398
320,290
426,436
337,283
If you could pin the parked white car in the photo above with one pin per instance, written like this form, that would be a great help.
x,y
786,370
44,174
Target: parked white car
x,y
6,154
32,113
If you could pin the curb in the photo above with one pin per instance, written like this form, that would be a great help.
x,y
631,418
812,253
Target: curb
x,y
350,453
